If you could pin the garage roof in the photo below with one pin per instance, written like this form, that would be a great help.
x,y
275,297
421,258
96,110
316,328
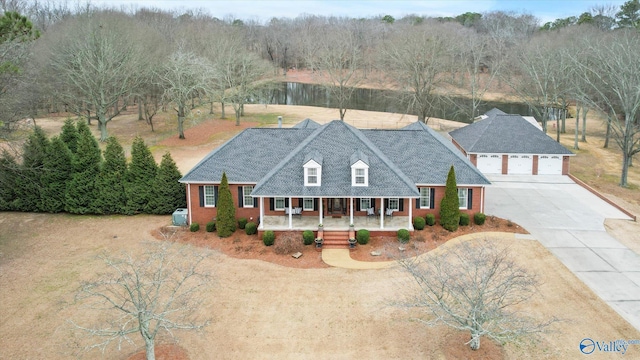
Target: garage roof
x,y
506,134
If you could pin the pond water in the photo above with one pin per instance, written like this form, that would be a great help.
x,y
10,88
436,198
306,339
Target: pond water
x,y
457,108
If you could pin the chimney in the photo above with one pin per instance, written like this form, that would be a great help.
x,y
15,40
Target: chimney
x,y
279,121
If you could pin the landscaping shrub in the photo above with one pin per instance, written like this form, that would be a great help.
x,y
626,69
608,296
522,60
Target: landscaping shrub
x,y
403,236
308,237
450,205
251,228
211,226
226,217
194,227
268,238
464,219
242,222
418,222
362,236
479,218
430,219
288,243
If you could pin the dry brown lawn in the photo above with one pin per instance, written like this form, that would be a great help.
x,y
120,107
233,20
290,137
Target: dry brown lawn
x,y
265,310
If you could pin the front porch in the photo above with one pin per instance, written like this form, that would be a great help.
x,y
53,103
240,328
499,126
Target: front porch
x,y
330,223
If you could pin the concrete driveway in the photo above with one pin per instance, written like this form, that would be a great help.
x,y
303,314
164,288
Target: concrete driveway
x,y
569,221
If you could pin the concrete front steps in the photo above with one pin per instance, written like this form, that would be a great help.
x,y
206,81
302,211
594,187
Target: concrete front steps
x,y
336,240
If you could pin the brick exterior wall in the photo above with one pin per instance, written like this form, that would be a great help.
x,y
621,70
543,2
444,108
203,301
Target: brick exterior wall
x,y
534,168
565,165
203,214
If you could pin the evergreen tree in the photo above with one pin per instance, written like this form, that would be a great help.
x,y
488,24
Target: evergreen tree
x,y
8,175
167,193
80,192
140,176
226,219
111,197
29,183
69,135
450,204
58,168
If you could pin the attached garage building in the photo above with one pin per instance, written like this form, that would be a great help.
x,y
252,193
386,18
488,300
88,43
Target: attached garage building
x,y
502,143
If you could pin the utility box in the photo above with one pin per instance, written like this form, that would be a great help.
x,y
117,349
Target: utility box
x,y
180,217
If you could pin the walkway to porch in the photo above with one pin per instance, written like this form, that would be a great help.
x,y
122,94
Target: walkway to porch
x,y
371,223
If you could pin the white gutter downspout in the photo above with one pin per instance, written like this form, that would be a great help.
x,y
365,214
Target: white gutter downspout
x,y
321,211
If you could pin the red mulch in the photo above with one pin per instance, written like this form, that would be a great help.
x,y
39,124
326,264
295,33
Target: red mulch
x,y
242,246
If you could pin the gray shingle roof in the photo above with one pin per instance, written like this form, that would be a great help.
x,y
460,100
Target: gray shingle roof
x,y
398,160
307,124
506,134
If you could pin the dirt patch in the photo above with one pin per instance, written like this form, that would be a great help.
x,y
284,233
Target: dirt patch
x,y
163,352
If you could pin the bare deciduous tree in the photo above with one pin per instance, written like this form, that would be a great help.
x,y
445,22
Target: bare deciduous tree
x,y
100,64
335,55
183,76
476,287
418,61
158,292
610,73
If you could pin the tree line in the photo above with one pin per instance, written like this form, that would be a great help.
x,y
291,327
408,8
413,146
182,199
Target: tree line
x,y
96,61
69,173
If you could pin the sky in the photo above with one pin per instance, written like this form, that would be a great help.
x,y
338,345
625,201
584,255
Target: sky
x,y
263,10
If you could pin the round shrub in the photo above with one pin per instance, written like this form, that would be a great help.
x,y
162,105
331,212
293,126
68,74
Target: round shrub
x,y
308,237
242,222
418,222
479,218
464,219
211,226
251,228
194,227
362,236
268,238
430,219
403,235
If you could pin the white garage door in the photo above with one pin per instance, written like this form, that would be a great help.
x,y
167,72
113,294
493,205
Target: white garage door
x,y
520,164
549,165
490,164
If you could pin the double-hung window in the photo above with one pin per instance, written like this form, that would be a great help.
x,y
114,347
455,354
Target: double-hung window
x,y
365,203
279,204
425,198
360,176
462,197
209,195
307,204
247,199
394,204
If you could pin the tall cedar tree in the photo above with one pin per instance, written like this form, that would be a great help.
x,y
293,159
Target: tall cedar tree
x,y
29,182
81,191
450,204
58,168
140,176
111,197
167,193
69,135
226,219
8,178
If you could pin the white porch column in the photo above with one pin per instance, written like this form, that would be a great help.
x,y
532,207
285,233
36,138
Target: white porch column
x,y
189,202
410,213
290,215
382,209
261,226
351,211
321,210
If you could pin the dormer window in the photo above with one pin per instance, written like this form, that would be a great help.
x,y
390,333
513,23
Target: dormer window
x,y
312,176
313,170
359,174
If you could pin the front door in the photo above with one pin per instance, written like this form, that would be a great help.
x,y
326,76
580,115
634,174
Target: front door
x,y
336,206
